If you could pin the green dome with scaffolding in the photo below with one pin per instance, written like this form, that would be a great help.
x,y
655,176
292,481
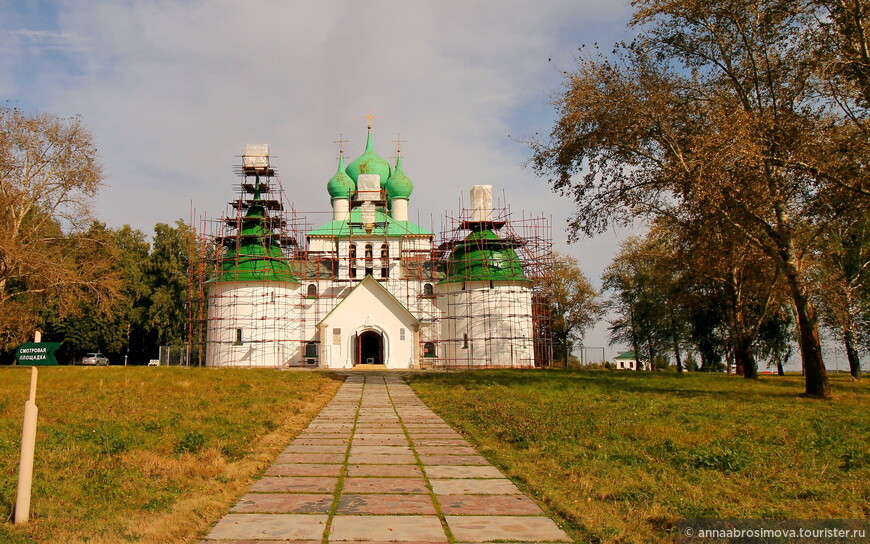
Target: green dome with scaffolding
x,y
483,256
254,252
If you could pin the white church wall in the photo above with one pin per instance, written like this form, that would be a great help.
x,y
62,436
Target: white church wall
x,y
369,309
253,324
486,324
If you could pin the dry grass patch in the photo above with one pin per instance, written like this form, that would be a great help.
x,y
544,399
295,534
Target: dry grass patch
x,y
150,455
621,456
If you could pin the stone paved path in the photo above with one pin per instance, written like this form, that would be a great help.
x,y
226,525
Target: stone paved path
x,y
376,466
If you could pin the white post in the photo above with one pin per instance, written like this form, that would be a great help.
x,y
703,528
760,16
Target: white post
x,y
28,445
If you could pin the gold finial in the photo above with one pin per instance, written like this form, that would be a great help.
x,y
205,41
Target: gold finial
x,y
369,117
341,141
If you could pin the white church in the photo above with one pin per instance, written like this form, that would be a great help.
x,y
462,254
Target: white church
x,y
369,287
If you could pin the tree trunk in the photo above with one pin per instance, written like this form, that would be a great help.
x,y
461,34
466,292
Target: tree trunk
x,y
677,355
652,355
635,344
852,354
744,359
816,377
676,344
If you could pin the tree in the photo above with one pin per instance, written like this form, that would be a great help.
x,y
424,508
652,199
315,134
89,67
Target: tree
x,y
638,302
843,269
167,267
573,304
775,338
709,112
49,172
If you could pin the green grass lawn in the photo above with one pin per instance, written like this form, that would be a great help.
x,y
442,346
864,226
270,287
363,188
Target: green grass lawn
x,y
144,454
621,456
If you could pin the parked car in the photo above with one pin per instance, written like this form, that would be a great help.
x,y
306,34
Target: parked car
x,y
97,359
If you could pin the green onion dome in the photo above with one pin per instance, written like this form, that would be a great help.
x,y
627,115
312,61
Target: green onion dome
x,y
483,256
340,185
399,185
369,163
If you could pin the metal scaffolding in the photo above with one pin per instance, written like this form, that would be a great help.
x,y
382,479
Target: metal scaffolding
x,y
463,324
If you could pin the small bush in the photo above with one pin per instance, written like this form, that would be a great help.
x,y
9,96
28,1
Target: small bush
x,y
192,442
854,459
718,458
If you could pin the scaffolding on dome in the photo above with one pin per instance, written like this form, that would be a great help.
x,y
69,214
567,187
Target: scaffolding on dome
x,y
261,238
476,329
256,240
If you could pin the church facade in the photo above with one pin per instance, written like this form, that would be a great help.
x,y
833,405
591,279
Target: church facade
x,y
369,286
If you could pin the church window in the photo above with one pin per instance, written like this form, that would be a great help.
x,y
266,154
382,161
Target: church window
x,y
402,333
385,261
428,290
352,259
429,349
464,341
311,350
238,336
370,267
312,291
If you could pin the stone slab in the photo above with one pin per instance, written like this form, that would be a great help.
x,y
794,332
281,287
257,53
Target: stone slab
x,y
385,485
384,471
492,505
298,484
366,441
380,430
269,526
318,441
284,503
317,458
376,459
460,471
387,529
313,469
441,442
465,486
445,450
381,450
316,448
453,460
385,504
327,436
497,528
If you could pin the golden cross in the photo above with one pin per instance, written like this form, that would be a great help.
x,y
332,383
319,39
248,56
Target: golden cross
x,y
341,141
369,117
398,141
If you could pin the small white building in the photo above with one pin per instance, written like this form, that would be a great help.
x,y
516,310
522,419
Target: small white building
x,y
627,360
369,286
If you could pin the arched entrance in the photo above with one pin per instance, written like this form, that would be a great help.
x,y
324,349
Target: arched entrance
x,y
370,348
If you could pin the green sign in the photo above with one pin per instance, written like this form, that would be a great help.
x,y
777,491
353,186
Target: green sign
x,y
41,354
